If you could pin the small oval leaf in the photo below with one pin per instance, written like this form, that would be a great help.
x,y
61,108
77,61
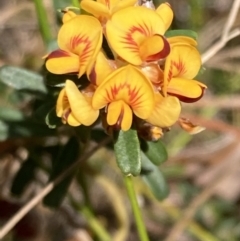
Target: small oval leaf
x,y
10,114
153,177
182,32
68,155
155,151
23,177
22,79
127,150
4,130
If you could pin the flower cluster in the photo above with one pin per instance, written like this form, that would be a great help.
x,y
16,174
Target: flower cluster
x,y
145,81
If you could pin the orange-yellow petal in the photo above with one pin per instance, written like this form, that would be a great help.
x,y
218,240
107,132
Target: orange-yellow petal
x,y
62,103
62,62
153,72
63,109
103,9
186,89
97,9
165,12
154,48
68,15
130,85
121,4
80,105
82,35
102,68
114,111
71,120
181,40
120,114
166,111
184,61
125,36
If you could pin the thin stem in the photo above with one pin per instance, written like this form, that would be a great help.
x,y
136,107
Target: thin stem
x,y
226,34
136,209
95,224
92,221
219,45
43,22
231,19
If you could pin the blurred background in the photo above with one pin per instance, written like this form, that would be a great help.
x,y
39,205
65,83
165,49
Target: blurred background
x,y
202,172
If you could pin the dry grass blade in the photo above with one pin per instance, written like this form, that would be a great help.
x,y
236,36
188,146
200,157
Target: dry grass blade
x,y
227,34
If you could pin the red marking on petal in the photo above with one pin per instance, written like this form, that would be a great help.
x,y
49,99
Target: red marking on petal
x,y
65,115
107,2
128,39
93,76
120,118
58,54
170,73
108,99
162,54
180,66
133,93
75,41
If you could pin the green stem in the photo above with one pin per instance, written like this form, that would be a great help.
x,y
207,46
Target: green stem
x,y
94,224
136,209
92,221
43,22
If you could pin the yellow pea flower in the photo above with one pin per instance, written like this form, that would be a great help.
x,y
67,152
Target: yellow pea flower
x,y
75,106
166,111
68,14
103,9
164,10
136,35
122,93
79,41
102,67
181,66
182,40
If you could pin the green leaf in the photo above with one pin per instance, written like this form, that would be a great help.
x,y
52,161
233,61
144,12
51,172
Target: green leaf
x,y
9,114
52,120
181,32
22,79
11,97
155,151
62,4
153,177
67,157
4,128
127,150
23,177
23,129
